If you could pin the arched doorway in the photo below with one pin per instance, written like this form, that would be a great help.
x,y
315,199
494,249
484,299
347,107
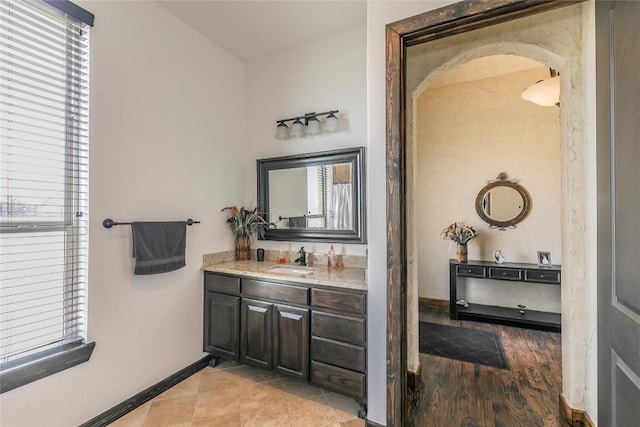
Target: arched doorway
x,y
466,125
460,19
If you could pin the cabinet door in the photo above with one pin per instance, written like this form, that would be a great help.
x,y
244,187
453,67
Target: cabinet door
x,y
291,339
256,335
221,325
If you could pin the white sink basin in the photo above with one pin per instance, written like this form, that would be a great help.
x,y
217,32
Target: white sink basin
x,y
291,269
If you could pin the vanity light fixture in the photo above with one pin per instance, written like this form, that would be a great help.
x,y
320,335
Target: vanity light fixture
x,y
544,92
309,121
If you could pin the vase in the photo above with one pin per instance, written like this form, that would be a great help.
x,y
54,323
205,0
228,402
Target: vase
x,y
242,248
461,252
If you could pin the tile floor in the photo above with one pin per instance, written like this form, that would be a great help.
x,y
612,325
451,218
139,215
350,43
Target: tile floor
x,y
231,395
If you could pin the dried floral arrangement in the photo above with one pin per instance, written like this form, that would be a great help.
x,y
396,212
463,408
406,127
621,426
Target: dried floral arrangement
x,y
459,232
245,222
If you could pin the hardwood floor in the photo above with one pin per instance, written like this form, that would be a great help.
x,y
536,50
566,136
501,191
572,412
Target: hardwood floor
x,y
462,394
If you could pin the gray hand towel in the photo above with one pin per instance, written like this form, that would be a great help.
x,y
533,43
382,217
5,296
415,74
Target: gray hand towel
x,y
159,247
298,222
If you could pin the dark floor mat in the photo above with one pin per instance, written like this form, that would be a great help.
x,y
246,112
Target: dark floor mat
x,y
467,345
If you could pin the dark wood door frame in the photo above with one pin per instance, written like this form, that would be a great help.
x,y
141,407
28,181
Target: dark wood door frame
x,y
453,19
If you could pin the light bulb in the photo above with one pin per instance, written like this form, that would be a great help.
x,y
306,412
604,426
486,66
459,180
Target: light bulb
x,y
297,129
545,92
331,123
282,131
313,127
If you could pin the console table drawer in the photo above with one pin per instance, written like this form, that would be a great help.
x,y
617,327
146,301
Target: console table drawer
x,y
505,273
542,276
470,271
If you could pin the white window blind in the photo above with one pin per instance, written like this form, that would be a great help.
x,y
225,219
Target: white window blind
x,y
319,179
44,160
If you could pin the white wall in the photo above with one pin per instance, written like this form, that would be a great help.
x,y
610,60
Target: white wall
x,y
326,75
467,133
167,129
379,14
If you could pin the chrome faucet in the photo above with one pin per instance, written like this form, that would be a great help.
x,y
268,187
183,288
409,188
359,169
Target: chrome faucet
x,y
302,258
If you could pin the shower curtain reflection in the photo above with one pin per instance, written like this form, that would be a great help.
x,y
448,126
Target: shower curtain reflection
x,y
342,206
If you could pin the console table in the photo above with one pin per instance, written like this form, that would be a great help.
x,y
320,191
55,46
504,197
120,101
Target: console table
x,y
515,272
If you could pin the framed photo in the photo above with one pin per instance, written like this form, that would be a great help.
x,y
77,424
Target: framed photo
x,y
544,259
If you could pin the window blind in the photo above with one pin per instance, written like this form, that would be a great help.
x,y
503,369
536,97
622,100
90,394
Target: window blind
x,y
319,180
44,164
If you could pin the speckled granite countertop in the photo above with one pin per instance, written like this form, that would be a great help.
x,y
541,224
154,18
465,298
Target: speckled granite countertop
x,y
350,278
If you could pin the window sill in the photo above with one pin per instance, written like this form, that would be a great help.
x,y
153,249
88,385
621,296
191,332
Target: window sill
x,y
24,371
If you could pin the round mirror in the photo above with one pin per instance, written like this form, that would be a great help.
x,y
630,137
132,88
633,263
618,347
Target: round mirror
x,y
503,203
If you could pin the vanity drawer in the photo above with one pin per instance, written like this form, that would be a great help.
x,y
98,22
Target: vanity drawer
x,y
343,301
342,328
542,276
470,271
337,353
338,379
277,291
505,273
222,284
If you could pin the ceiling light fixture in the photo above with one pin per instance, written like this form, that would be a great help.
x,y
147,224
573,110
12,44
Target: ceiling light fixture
x,y
311,123
544,92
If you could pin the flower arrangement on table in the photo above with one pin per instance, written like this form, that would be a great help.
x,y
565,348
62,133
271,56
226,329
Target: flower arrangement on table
x,y
460,233
245,224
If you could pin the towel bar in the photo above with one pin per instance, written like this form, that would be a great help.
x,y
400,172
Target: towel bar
x,y
108,223
280,218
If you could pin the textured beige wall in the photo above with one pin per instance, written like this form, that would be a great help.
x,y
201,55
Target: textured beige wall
x,y
466,133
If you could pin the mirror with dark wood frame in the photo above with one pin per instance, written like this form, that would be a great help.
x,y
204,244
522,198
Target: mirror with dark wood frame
x,y
503,202
314,196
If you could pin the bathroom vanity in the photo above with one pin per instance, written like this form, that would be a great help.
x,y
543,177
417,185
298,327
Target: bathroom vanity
x,y
306,323
513,272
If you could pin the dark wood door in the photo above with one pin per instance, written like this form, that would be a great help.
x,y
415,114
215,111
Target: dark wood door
x,y
221,317
256,336
618,153
291,339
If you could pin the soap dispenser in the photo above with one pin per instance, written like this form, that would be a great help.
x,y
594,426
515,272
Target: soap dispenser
x,y
332,263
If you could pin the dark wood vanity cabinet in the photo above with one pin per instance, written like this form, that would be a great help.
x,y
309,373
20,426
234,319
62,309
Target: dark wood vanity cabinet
x,y
275,336
317,334
339,342
291,340
255,333
221,334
